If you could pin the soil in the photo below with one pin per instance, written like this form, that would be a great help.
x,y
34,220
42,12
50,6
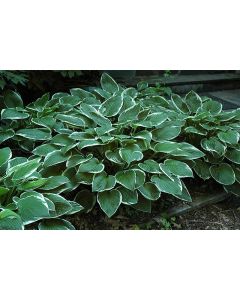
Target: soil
x,y
221,216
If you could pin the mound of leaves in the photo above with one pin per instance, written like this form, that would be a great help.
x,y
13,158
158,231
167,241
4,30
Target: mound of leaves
x,y
113,146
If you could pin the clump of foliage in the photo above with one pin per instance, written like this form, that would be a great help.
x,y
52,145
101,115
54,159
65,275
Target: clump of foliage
x,y
114,146
12,77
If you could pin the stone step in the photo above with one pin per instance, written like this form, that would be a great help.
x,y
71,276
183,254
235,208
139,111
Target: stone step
x,y
229,98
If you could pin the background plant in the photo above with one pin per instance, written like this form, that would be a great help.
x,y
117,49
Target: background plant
x,y
12,77
117,145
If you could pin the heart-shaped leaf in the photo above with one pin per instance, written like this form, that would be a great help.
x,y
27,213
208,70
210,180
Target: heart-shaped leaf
x,y
92,166
127,179
109,201
150,191
150,166
128,197
103,182
178,168
223,173
131,153
166,185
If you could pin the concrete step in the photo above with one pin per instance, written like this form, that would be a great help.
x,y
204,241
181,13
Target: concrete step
x,y
229,98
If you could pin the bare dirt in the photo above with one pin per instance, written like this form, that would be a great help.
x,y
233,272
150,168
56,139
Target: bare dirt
x,y
224,215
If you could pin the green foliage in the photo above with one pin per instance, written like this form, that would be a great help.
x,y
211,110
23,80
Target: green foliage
x,y
15,77
114,146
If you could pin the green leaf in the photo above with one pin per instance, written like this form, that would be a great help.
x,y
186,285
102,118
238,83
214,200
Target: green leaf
x,y
54,182
185,195
213,145
166,133
91,166
128,197
62,139
111,106
13,114
72,100
24,170
6,134
75,208
166,185
154,119
178,103
131,153
55,224
33,184
127,179
88,143
109,201
32,208
129,114
47,121
214,107
140,178
166,171
103,182
193,101
192,129
223,173
237,173
233,155
150,191
114,157
40,103
202,169
143,135
154,101
9,220
178,168
150,166
233,188
71,120
12,99
185,150
16,161
45,149
3,191
62,206
143,204
36,134
85,178
5,155
54,158
77,159
108,84
167,147
95,115
142,85
229,137
86,199
82,94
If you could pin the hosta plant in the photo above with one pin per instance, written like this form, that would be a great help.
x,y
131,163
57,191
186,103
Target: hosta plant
x,y
124,146
26,196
